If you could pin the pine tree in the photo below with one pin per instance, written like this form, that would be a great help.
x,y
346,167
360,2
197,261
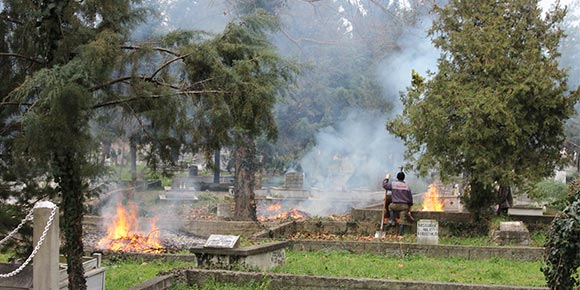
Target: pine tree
x,y
494,110
243,64
58,52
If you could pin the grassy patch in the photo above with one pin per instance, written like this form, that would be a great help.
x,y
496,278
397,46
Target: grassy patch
x,y
125,274
460,270
466,241
213,285
538,239
5,256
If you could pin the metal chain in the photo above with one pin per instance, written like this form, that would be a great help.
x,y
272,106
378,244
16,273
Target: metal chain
x,y
40,240
27,218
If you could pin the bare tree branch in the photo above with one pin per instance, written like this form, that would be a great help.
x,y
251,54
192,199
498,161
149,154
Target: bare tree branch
x,y
133,99
17,55
298,41
162,49
110,83
122,101
10,19
387,11
5,104
168,63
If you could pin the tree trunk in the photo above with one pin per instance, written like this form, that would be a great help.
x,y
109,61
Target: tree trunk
x,y
245,159
70,184
217,167
133,157
480,199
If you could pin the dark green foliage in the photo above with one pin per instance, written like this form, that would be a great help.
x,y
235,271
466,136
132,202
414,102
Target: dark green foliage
x,y
562,248
550,192
465,229
243,66
495,109
59,52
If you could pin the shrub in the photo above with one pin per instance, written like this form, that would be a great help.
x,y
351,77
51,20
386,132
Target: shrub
x,y
549,192
563,246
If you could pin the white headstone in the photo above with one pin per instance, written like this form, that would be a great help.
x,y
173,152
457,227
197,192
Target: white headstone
x,y
516,226
222,241
427,232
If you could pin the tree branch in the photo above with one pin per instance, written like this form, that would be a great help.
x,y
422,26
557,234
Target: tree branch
x,y
387,11
17,55
132,99
10,19
302,39
135,47
110,83
168,63
4,104
122,101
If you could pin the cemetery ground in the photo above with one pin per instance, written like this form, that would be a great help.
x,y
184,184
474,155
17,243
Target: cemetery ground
x,y
124,272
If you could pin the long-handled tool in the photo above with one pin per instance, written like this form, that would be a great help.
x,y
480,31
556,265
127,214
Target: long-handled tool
x,y
381,234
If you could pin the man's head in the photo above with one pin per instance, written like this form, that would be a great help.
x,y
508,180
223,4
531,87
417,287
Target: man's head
x,y
401,176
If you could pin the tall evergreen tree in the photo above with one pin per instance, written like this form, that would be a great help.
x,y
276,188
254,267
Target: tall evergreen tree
x,y
243,64
494,110
58,52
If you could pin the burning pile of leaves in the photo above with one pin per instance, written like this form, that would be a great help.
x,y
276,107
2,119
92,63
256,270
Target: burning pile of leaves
x,y
340,218
125,234
274,212
293,214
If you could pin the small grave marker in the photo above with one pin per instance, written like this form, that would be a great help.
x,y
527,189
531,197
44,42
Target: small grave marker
x,y
222,241
512,233
427,232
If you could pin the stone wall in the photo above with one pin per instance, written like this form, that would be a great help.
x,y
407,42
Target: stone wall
x,y
286,281
435,251
374,214
164,282
276,231
263,257
207,228
337,227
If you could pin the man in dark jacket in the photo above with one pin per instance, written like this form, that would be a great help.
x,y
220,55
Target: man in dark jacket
x,y
402,200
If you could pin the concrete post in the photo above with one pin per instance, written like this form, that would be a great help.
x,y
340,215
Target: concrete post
x,y
45,270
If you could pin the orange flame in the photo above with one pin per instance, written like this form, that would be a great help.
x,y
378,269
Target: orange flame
x,y
294,214
431,201
274,207
122,236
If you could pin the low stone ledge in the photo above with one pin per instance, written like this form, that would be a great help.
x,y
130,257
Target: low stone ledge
x,y
434,251
244,251
262,257
146,257
164,282
277,231
287,281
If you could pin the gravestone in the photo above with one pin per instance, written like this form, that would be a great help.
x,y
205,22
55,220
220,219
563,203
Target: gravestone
x,y
193,171
512,233
224,210
427,232
222,241
294,180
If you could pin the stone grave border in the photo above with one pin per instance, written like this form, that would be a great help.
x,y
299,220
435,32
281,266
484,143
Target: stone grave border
x,y
287,281
283,281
